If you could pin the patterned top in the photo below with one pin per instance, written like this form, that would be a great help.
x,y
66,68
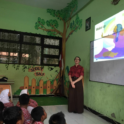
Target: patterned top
x,y
27,116
76,71
7,105
38,122
31,103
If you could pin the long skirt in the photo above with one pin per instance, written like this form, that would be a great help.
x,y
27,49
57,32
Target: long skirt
x,y
76,98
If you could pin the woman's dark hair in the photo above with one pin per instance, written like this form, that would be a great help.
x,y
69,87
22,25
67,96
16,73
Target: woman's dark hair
x,y
37,113
57,118
77,57
12,115
24,99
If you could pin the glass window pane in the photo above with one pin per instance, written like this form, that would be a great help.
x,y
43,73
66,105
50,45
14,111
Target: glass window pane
x,y
54,42
9,52
31,54
51,61
4,59
50,51
32,39
4,53
9,47
9,36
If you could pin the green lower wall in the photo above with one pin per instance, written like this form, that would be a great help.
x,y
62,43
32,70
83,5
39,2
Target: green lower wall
x,y
106,99
18,75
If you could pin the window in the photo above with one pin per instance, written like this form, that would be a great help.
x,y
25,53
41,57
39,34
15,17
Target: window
x,y
30,49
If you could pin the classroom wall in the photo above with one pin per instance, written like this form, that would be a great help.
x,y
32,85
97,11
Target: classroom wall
x,y
22,18
106,99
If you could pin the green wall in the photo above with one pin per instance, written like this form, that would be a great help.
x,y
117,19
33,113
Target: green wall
x,y
103,98
22,18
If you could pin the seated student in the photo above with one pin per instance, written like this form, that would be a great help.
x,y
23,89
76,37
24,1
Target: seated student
x,y
4,98
13,115
32,103
24,101
39,115
1,111
57,118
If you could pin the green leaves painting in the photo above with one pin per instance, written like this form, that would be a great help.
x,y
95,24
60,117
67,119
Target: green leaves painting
x,y
65,15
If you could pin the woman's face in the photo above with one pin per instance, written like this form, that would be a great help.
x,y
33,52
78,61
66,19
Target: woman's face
x,y
77,61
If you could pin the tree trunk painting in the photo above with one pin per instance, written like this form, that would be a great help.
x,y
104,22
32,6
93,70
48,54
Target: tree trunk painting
x,y
65,15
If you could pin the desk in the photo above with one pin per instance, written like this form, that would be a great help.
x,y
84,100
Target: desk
x,y
6,85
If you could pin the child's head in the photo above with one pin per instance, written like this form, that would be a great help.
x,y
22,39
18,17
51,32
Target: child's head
x,y
57,118
39,114
24,100
1,118
13,115
1,106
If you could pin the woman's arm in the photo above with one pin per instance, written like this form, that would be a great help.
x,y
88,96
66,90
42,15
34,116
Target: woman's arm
x,y
72,83
80,78
70,78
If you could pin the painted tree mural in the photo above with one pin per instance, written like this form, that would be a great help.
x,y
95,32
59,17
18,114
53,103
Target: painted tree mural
x,y
65,15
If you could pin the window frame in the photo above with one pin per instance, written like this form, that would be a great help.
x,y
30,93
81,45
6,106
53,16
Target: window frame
x,y
41,44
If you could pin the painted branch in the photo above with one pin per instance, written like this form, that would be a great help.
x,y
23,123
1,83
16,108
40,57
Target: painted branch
x,y
52,30
57,30
71,33
70,19
59,17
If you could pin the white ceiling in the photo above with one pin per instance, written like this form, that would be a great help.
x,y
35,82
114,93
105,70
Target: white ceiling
x,y
46,4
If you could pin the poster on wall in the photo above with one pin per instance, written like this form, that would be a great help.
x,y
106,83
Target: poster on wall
x,y
110,26
88,24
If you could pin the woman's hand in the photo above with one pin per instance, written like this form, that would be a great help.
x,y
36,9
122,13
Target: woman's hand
x,y
72,84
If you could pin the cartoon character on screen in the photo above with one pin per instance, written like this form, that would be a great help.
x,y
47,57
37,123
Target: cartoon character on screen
x,y
113,48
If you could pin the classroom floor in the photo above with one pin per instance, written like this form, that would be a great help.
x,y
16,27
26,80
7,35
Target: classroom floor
x,y
51,107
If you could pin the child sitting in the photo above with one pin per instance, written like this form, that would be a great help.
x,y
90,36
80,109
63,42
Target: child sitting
x,y
32,103
24,101
57,118
4,98
1,111
13,115
39,115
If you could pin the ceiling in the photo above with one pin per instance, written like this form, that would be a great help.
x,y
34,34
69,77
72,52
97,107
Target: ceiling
x,y
49,4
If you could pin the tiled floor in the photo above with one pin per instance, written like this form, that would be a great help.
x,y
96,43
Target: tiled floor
x,y
71,118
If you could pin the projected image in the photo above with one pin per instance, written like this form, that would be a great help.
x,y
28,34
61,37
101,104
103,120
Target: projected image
x,y
110,47
109,26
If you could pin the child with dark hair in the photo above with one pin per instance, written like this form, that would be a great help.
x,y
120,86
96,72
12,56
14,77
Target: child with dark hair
x,y
57,118
1,111
4,98
32,103
24,101
13,115
39,115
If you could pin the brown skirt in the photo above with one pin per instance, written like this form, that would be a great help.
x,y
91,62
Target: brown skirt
x,y
76,98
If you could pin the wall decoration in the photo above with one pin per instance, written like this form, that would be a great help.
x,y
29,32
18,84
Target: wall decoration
x,y
115,2
35,77
35,69
88,24
63,15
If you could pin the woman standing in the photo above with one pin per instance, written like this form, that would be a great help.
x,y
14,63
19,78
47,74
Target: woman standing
x,y
75,99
